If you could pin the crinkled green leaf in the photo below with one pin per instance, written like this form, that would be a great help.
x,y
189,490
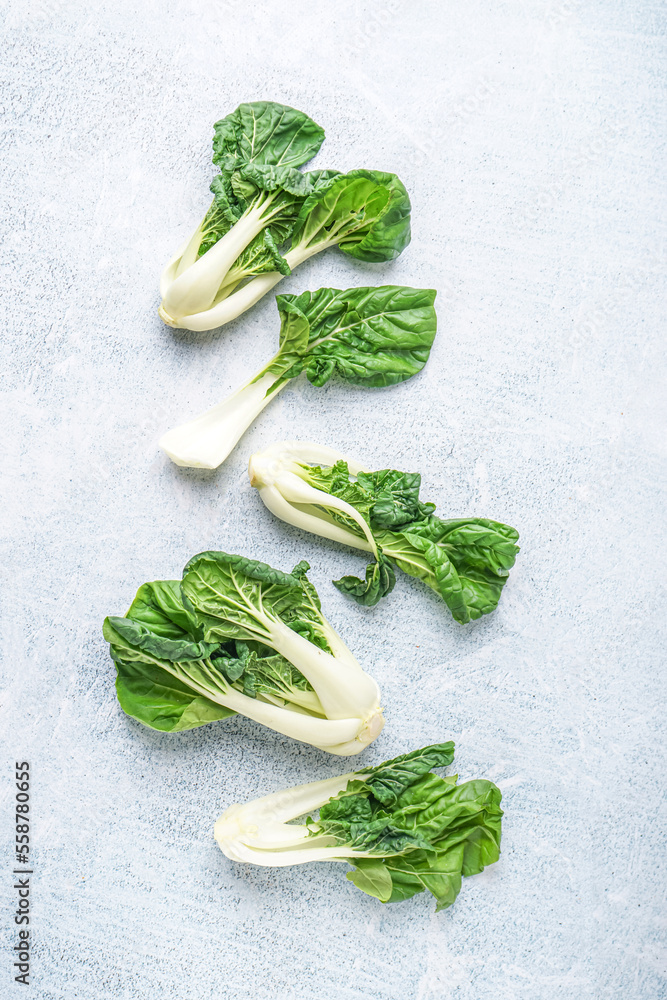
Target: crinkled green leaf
x,y
436,872
388,780
159,606
376,336
465,560
262,254
366,212
379,581
225,592
396,498
420,831
264,132
140,637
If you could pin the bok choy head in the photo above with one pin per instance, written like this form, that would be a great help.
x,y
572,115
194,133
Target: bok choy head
x,y
403,828
371,337
464,560
267,216
257,196
237,636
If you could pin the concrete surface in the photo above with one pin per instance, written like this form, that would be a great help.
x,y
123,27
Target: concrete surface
x,y
529,135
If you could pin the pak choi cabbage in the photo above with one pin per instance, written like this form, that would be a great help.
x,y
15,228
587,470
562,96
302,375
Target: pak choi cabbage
x,y
404,829
464,560
367,336
237,636
267,217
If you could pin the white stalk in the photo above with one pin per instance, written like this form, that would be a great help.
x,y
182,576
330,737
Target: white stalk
x,y
231,306
307,521
206,441
259,832
170,269
211,316
326,734
293,454
194,288
344,689
277,473
337,736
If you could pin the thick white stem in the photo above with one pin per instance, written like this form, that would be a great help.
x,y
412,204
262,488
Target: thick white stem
x,y
231,306
169,270
343,688
194,289
210,317
206,441
323,733
191,252
279,475
259,832
292,454
288,803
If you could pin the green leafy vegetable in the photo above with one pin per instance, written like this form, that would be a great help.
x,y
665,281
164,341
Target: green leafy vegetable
x,y
403,828
367,336
267,217
236,635
257,196
465,560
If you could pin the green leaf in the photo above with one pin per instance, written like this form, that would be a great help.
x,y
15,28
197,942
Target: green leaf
x,y
262,254
231,597
467,561
367,212
157,699
263,132
380,581
368,336
128,633
436,872
419,831
226,593
288,189
224,212
306,616
159,606
372,876
294,328
389,780
396,498
387,236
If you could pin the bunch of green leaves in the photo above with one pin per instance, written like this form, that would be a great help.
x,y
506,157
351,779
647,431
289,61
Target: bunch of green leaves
x,y
232,597
420,831
464,560
176,654
258,150
367,336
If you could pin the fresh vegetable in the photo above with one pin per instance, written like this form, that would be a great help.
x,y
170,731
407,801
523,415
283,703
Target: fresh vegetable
x,y
403,828
368,336
465,560
267,217
235,635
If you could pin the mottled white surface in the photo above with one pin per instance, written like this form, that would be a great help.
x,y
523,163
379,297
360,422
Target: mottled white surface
x,y
529,135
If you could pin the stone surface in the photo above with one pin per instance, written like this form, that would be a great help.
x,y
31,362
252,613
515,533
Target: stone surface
x,y
530,138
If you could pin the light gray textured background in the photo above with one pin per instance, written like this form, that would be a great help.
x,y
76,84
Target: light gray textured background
x,y
529,135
